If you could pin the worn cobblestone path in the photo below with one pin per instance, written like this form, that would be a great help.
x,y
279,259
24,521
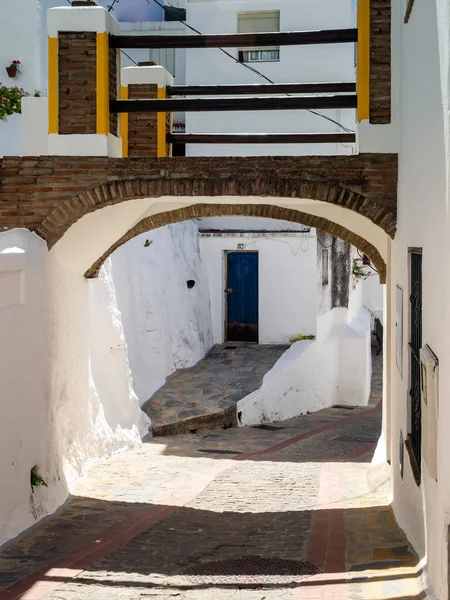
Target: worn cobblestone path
x,y
293,512
206,395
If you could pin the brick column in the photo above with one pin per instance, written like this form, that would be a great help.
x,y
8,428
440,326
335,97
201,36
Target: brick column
x,y
82,79
377,127
380,61
144,134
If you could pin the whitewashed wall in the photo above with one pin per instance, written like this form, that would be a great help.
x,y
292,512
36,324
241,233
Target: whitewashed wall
x,y
91,397
423,197
166,325
69,383
302,64
335,369
10,135
20,39
25,430
373,297
287,281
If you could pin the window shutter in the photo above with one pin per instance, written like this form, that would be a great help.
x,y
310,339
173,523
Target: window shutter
x,y
259,22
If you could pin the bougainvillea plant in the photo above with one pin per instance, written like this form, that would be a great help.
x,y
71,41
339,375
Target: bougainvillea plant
x,y
11,100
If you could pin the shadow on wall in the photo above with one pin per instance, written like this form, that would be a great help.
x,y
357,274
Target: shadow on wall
x,y
166,320
69,335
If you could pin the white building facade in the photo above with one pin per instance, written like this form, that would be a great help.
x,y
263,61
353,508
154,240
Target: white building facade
x,y
287,274
288,64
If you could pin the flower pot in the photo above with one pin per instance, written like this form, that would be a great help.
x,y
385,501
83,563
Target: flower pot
x,y
11,70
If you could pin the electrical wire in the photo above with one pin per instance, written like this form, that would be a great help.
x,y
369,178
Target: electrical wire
x,y
109,10
327,247
111,6
128,56
234,59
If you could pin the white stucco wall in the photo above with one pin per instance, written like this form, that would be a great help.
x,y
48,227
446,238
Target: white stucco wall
x,y
166,325
10,135
91,396
335,369
25,426
301,64
373,297
71,386
287,281
423,197
20,38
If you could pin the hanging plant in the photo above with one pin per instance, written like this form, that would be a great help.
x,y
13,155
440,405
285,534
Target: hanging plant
x,y
13,68
359,272
11,100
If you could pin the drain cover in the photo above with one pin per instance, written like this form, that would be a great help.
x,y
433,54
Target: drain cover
x,y
212,451
250,570
267,427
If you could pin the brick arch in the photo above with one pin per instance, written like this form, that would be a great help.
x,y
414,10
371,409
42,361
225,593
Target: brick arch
x,y
243,183
196,211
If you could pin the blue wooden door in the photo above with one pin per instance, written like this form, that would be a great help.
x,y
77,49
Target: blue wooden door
x,y
242,297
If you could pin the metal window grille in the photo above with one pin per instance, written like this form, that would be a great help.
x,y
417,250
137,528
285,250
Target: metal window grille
x,y
415,345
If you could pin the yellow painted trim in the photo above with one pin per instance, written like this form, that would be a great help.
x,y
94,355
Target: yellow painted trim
x,y
124,122
53,85
161,126
363,67
102,84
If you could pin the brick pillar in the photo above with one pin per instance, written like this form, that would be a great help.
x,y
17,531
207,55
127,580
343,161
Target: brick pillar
x,y
380,62
144,134
377,109
82,79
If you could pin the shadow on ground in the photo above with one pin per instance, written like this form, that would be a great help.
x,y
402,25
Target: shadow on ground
x,y
201,549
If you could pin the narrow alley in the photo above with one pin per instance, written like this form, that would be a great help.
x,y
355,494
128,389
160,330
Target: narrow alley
x,y
290,510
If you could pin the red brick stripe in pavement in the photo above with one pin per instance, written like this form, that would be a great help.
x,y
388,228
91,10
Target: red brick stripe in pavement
x,y
327,547
304,436
40,583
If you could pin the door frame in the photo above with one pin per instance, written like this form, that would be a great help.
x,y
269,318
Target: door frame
x,y
225,295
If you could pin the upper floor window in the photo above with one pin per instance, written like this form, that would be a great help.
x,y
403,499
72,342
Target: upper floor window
x,y
259,22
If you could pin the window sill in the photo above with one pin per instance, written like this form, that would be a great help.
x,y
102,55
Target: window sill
x,y
252,62
413,462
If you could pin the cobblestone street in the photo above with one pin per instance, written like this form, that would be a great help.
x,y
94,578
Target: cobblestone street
x,y
289,511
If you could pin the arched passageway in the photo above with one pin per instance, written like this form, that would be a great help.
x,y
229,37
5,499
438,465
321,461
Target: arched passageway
x,y
97,210
196,211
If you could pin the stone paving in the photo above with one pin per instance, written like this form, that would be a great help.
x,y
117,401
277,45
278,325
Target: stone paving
x,y
296,512
205,396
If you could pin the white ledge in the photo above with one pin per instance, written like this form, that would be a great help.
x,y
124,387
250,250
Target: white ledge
x,y
152,74
81,18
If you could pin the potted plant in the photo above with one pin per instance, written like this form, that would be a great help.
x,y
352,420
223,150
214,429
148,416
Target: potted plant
x,y
11,100
13,68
